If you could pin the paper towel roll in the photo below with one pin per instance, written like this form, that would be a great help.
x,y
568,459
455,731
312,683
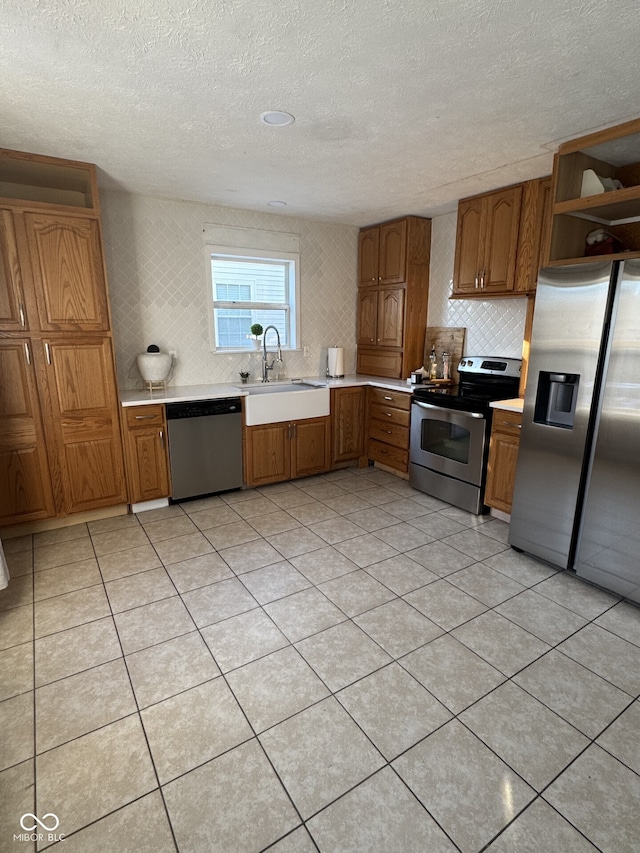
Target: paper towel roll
x,y
335,362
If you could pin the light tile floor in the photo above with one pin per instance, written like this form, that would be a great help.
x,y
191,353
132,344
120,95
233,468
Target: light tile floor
x,y
335,664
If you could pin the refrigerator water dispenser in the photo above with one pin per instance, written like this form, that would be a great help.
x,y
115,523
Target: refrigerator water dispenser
x,y
556,398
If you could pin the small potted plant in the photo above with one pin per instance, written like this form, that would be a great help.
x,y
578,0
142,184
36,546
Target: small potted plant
x,y
256,331
244,375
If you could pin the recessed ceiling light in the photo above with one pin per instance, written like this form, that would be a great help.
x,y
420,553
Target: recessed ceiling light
x,y
277,203
276,118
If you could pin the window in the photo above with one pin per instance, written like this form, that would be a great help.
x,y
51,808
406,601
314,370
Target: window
x,y
252,286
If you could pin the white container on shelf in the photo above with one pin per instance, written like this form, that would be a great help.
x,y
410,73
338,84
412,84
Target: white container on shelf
x,y
154,366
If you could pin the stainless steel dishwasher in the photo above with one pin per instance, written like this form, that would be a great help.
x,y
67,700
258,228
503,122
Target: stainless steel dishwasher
x,y
205,446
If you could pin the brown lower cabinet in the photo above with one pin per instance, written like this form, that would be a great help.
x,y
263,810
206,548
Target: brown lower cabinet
x,y
388,428
285,451
25,481
503,459
347,425
147,459
60,441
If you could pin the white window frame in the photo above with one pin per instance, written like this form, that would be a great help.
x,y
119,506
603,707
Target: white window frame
x,y
292,259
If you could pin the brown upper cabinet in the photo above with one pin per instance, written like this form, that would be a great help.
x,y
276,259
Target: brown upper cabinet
x,y
613,153
499,241
487,241
393,275
382,251
12,310
68,273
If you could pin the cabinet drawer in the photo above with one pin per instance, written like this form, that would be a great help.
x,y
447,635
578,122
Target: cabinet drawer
x,y
389,415
397,399
389,433
508,423
394,457
144,416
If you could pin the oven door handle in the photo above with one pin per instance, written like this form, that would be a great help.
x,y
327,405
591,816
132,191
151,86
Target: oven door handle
x,y
477,415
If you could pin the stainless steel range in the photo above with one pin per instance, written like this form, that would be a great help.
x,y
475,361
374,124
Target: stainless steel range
x,y
450,430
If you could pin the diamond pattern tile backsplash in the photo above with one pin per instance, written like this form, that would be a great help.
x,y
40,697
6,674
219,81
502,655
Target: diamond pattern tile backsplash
x,y
157,277
494,326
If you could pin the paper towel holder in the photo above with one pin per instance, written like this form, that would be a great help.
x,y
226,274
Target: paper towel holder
x,y
335,362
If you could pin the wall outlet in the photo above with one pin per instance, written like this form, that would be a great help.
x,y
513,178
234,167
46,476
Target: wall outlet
x,y
305,352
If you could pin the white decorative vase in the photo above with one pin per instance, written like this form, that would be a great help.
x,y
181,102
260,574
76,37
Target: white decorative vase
x,y
154,366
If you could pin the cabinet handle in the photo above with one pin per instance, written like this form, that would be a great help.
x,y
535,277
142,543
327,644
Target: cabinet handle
x,y
389,432
27,353
509,424
482,275
145,417
22,318
388,398
476,281
162,437
47,350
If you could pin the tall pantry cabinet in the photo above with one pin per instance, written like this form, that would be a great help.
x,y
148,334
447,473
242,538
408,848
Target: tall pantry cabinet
x,y
393,288
60,446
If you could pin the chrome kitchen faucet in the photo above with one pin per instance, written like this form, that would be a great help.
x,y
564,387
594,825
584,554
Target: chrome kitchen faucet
x,y
266,367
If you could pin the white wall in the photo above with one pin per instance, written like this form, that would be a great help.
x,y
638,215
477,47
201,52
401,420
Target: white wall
x,y
494,326
157,278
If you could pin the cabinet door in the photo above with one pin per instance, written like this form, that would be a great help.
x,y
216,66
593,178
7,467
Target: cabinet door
x,y
390,317
367,316
146,452
68,274
501,472
469,237
501,240
393,253
84,421
25,483
310,446
534,221
267,454
12,316
368,241
503,459
347,414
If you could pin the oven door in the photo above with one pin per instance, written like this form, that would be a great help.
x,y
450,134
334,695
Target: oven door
x,y
448,441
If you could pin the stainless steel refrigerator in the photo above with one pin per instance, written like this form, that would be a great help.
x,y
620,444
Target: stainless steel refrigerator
x,y
577,494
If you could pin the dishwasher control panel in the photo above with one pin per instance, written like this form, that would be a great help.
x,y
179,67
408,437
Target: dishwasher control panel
x,y
204,408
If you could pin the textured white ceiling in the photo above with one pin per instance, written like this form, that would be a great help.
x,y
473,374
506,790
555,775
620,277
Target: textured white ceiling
x,y
401,107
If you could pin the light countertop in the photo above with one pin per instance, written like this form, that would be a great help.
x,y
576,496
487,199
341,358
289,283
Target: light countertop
x,y
186,393
514,405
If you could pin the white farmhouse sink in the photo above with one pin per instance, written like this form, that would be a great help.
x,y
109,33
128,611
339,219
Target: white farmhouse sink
x,y
277,402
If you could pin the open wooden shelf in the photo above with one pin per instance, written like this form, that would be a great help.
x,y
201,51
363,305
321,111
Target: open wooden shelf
x,y
38,181
594,259
612,153
606,208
